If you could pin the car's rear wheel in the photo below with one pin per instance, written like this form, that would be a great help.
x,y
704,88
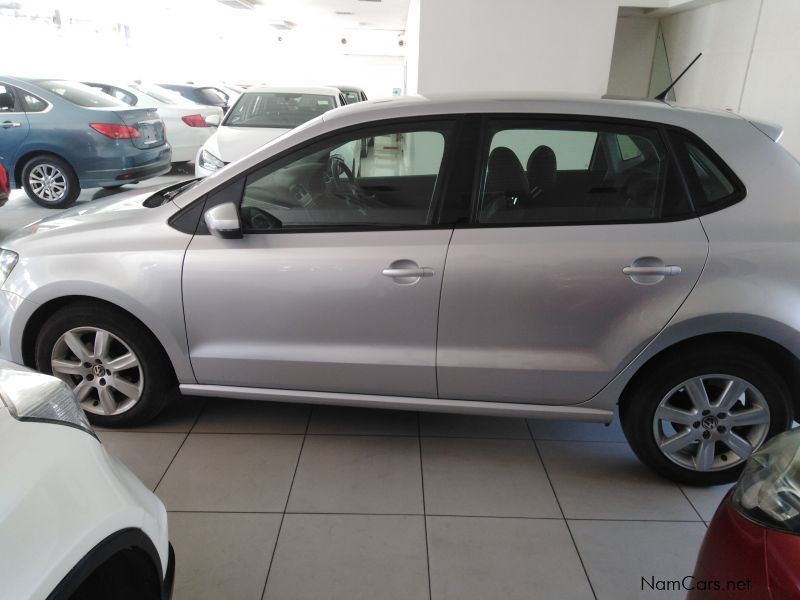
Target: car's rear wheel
x,y
50,182
116,369
697,417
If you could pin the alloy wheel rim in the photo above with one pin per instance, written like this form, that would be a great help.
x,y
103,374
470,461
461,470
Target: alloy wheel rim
x,y
48,182
104,373
711,422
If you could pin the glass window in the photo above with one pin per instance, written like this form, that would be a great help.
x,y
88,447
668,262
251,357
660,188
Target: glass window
x,y
714,185
212,96
351,97
79,94
383,181
32,103
577,173
628,150
277,110
161,94
8,99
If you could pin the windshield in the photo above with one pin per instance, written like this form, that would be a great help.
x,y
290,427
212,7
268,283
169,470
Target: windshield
x,y
79,94
280,110
158,93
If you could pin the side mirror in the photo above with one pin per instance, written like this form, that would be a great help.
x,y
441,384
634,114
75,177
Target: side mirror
x,y
213,120
223,221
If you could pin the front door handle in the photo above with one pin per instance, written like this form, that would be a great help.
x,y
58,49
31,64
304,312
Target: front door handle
x,y
406,272
10,124
414,272
665,271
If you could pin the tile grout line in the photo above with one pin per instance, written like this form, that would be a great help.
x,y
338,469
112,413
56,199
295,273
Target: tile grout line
x,y
424,509
286,504
450,516
185,437
694,508
560,508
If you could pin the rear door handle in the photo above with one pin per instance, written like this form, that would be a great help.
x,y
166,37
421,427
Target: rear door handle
x,y
665,271
415,272
10,124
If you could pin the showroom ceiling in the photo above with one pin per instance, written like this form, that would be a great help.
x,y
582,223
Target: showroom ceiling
x,y
348,14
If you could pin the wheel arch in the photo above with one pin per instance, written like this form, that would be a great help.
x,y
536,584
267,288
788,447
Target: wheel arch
x,y
46,310
125,549
785,361
19,166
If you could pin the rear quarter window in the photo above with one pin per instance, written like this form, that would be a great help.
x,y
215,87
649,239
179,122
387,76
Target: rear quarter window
x,y
79,94
713,184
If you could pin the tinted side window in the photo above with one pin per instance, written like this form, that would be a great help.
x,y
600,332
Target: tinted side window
x,y
9,100
566,173
31,103
713,183
386,179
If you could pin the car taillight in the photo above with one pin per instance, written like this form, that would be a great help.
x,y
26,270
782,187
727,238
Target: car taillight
x,y
768,491
116,132
195,120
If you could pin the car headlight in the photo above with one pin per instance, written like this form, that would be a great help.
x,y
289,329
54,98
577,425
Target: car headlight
x,y
7,261
210,162
32,396
768,491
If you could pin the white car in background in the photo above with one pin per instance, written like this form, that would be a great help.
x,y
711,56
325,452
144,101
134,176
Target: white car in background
x,y
260,115
187,129
74,521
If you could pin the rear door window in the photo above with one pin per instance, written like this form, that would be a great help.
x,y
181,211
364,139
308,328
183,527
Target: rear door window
x,y
578,173
10,100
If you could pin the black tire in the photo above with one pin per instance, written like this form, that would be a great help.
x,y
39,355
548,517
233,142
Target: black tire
x,y
640,402
65,173
158,379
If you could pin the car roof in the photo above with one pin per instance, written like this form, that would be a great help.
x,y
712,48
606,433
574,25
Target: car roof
x,y
548,104
289,89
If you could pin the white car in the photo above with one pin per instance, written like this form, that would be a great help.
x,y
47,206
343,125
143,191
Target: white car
x,y
74,521
187,129
260,115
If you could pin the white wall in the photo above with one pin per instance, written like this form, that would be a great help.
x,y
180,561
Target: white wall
x,y
516,45
772,88
723,32
751,49
632,58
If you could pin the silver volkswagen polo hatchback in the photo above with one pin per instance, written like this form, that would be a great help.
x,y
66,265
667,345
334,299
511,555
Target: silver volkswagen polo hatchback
x,y
548,258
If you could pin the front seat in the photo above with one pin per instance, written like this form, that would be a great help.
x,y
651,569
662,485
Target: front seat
x,y
506,185
542,171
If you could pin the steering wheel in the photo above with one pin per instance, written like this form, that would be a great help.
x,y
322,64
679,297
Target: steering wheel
x,y
347,186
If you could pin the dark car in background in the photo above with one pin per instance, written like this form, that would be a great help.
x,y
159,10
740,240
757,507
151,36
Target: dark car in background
x,y
58,136
207,95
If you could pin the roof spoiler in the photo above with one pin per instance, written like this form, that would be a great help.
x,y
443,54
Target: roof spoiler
x,y
773,131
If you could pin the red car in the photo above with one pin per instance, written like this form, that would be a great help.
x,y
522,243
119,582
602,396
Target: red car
x,y
752,546
3,185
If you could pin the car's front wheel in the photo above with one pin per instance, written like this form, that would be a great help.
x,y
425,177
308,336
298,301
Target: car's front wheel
x,y
50,182
697,417
115,368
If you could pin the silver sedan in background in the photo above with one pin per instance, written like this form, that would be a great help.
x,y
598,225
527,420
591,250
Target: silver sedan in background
x,y
547,258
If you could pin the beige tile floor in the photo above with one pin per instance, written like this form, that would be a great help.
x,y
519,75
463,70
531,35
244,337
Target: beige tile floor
x,y
280,501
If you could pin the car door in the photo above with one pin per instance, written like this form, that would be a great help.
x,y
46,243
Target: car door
x,y
335,284
14,125
581,247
